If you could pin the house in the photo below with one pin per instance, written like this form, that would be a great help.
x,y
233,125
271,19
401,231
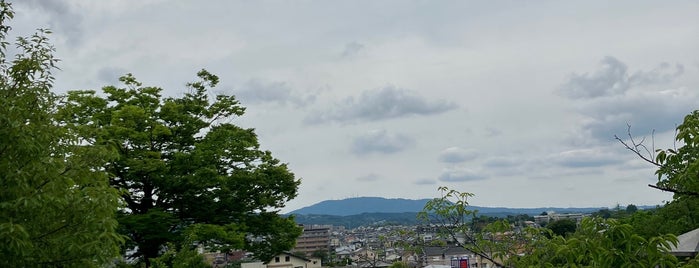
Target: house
x,y
363,255
344,252
687,244
285,260
443,256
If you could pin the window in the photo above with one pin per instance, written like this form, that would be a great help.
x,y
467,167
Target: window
x,y
287,259
276,259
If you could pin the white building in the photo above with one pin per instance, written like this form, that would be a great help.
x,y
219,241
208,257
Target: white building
x,y
285,260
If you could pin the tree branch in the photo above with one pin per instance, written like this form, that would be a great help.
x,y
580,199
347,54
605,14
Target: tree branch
x,y
51,232
680,192
634,147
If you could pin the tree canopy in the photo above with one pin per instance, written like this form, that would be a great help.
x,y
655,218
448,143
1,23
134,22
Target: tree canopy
x,y
562,227
601,243
56,206
184,170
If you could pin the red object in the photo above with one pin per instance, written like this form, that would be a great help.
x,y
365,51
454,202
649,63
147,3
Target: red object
x,y
463,263
460,262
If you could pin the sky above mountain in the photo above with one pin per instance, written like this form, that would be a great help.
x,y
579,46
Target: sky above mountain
x,y
515,101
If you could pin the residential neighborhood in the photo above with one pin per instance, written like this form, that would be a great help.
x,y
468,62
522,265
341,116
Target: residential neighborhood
x,y
378,245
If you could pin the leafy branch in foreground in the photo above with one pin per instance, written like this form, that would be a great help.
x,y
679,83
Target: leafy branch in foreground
x,y
678,168
56,206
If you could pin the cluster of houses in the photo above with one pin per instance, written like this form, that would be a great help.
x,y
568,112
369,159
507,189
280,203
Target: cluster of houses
x,y
363,247
381,246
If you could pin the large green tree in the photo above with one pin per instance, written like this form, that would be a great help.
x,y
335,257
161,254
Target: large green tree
x,y
562,227
56,206
185,171
676,217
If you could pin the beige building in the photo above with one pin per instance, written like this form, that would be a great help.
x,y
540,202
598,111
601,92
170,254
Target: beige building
x,y
285,260
552,216
314,238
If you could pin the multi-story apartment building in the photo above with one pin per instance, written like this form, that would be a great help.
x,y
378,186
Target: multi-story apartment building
x,y
314,238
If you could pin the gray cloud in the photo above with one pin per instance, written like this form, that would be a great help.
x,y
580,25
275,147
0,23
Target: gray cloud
x,y
461,175
425,182
613,79
110,75
514,165
351,49
610,79
492,132
256,91
644,111
62,18
583,158
368,178
611,99
457,155
380,141
662,74
503,162
385,103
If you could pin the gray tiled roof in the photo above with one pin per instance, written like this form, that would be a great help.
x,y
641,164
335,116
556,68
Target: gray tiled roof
x,y
688,243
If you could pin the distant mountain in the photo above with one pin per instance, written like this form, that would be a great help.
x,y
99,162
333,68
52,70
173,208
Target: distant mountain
x,y
364,211
359,205
364,219
363,205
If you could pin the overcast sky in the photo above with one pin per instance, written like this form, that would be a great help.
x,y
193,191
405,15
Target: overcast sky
x,y
515,101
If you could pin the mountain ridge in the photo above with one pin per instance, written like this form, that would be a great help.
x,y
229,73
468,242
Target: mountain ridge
x,y
363,205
